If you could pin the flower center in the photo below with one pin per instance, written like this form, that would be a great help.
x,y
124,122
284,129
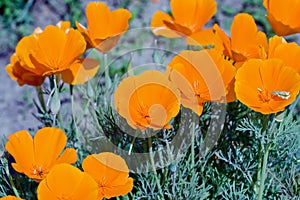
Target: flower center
x,y
38,171
143,110
197,92
266,96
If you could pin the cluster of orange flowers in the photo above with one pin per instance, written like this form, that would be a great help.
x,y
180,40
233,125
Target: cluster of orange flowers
x,y
262,74
58,50
42,159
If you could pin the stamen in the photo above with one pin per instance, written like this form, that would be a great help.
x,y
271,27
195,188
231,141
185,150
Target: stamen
x,y
282,94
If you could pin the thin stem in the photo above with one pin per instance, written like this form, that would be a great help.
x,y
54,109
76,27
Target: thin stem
x,y
73,112
107,78
11,180
263,174
134,138
263,153
193,130
41,97
55,102
54,120
153,163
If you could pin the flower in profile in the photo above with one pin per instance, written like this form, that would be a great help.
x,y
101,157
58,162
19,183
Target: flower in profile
x,y
245,41
283,16
55,50
201,76
105,27
147,100
188,17
111,173
266,86
10,198
65,181
35,157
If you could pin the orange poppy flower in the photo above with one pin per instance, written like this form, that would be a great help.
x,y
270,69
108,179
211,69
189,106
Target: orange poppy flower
x,y
105,27
283,16
36,57
10,198
20,74
187,17
266,86
35,157
148,100
289,53
50,51
245,42
65,181
111,173
201,76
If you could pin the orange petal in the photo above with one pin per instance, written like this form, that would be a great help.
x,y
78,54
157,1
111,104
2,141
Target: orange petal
x,y
48,144
281,29
289,53
283,16
118,190
81,71
110,172
274,42
84,32
119,22
50,47
258,82
204,38
9,197
68,156
65,181
21,74
98,14
74,48
193,14
57,49
64,25
20,146
243,37
231,96
136,96
25,47
159,27
202,73
106,45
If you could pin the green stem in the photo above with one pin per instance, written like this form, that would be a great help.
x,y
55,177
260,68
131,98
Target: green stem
x,y
107,78
263,174
41,97
263,153
153,164
134,138
73,113
12,184
193,130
